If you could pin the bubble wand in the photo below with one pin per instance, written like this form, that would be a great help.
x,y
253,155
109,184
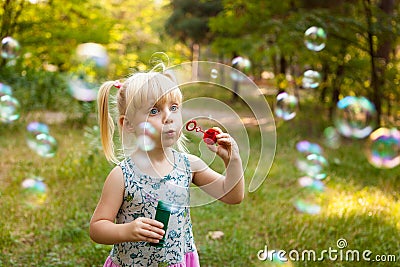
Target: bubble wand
x,y
209,136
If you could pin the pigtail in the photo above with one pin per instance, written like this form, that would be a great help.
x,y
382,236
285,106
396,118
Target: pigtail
x,y
106,122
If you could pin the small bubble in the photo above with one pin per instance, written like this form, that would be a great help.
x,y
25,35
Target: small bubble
x,y
315,38
214,74
311,79
34,190
9,109
286,106
307,206
9,48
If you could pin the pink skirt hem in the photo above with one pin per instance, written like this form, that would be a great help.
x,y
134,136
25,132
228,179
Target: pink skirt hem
x,y
191,260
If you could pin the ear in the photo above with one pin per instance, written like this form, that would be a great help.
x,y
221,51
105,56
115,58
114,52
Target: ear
x,y
124,123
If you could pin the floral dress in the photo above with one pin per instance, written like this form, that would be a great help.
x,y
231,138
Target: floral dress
x,y
141,196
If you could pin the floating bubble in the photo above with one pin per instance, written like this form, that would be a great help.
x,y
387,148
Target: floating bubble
x,y
315,38
311,184
44,145
92,54
9,48
33,129
214,74
306,147
146,135
9,109
82,90
331,137
307,206
313,165
5,89
311,79
274,257
159,61
145,142
383,148
34,190
355,117
286,106
240,65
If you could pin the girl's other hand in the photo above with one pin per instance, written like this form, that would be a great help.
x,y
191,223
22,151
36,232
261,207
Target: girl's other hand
x,y
144,229
226,146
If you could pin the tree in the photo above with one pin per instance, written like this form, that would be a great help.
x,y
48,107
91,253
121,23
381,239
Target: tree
x,y
189,22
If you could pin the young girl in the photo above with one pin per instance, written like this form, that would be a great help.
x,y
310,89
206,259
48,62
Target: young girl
x,y
124,216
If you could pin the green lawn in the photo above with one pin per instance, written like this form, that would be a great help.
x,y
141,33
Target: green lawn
x,y
361,203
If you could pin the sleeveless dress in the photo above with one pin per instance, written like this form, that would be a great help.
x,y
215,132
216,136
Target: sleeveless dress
x,y
141,196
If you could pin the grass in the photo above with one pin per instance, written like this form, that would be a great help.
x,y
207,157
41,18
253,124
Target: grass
x,y
361,203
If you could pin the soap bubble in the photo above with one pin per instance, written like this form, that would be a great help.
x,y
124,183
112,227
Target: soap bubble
x,y
34,191
331,137
9,109
92,54
274,258
313,165
82,90
240,64
307,206
286,106
355,117
43,144
307,147
214,73
159,61
33,129
315,38
146,136
383,148
5,89
311,184
9,48
311,79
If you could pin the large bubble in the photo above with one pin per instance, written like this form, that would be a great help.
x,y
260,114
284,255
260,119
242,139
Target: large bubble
x,y
207,87
355,117
315,38
9,48
9,109
383,148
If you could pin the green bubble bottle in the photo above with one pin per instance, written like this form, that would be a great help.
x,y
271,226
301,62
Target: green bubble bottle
x,y
162,215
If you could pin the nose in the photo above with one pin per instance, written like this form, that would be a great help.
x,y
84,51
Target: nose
x,y
167,118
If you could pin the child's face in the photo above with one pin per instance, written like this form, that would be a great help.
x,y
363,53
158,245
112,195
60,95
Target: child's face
x,y
165,117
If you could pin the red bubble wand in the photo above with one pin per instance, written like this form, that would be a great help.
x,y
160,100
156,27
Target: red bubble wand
x,y
209,136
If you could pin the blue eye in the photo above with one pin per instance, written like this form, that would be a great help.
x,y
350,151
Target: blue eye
x,y
174,108
153,111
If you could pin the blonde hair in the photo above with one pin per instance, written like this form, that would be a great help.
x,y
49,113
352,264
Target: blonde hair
x,y
133,92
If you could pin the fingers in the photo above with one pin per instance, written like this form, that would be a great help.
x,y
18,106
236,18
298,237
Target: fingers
x,y
149,230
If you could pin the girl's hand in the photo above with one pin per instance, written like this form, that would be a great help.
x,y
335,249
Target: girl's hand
x,y
226,146
145,229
